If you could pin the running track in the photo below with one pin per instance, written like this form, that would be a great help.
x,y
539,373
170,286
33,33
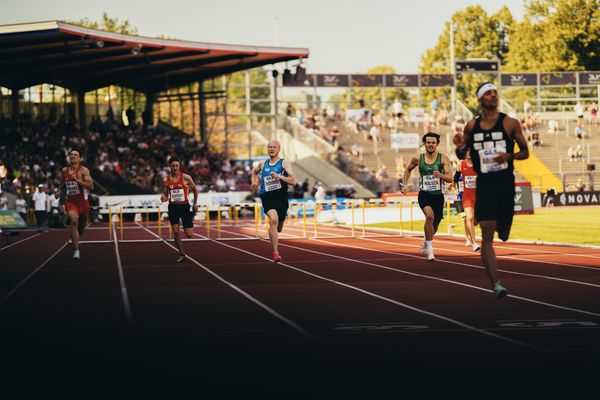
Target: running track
x,y
341,313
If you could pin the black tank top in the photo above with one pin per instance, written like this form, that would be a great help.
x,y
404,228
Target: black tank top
x,y
484,143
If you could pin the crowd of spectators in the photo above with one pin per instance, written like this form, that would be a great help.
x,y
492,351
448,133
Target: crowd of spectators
x,y
33,152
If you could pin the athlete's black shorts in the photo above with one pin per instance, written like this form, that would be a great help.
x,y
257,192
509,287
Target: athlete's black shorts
x,y
277,200
183,212
495,195
435,201
459,206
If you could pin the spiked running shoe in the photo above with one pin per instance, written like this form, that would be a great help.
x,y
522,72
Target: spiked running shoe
x,y
276,256
181,259
423,249
500,291
476,247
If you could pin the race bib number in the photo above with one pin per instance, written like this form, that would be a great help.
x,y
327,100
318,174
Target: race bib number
x,y
430,183
72,188
471,182
177,195
271,183
486,157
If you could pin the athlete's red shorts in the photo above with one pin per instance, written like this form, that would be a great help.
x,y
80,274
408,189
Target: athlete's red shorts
x,y
468,201
79,208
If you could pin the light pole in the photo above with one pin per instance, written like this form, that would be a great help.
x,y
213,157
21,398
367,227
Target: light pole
x,y
452,68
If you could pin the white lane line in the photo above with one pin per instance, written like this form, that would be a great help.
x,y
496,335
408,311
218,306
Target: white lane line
x,y
497,245
552,278
520,259
429,276
466,264
262,305
20,241
124,294
398,303
18,286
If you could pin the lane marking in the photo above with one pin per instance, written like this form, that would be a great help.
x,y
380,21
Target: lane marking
x,y
20,241
18,286
398,303
262,305
124,294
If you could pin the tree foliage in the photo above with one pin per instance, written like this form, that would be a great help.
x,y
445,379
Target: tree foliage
x,y
109,24
554,35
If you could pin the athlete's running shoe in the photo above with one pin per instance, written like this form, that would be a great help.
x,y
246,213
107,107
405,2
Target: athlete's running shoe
x,y
276,256
181,259
430,256
500,291
476,247
76,255
423,249
468,243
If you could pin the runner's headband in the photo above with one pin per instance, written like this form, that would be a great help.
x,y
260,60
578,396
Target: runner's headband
x,y
485,88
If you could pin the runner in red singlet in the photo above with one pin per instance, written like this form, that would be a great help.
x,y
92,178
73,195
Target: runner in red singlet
x,y
465,167
176,190
77,181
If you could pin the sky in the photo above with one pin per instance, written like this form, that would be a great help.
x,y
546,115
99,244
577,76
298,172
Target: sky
x,y
342,36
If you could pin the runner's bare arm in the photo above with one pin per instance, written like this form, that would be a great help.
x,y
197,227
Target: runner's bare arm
x,y
165,194
192,186
467,131
254,184
291,178
517,133
413,164
447,175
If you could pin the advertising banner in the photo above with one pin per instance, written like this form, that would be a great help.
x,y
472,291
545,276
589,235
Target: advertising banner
x,y
436,80
589,78
523,198
402,80
558,78
519,80
577,198
367,80
333,80
405,141
11,220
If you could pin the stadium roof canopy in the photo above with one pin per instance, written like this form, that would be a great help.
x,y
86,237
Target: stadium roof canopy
x,y
84,59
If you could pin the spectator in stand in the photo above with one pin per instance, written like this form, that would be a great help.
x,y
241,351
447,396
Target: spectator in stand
x,y
579,131
320,194
552,126
458,125
400,169
3,202
579,110
41,205
21,206
357,151
580,186
334,133
305,186
397,109
571,154
527,107
579,153
460,148
594,114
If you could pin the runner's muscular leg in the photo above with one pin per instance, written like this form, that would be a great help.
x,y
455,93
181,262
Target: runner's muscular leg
x,y
175,228
273,224
74,217
488,255
429,227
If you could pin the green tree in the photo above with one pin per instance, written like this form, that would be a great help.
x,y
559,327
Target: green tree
x,y
109,24
476,35
556,35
